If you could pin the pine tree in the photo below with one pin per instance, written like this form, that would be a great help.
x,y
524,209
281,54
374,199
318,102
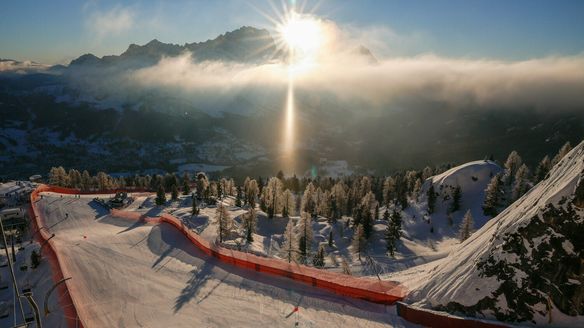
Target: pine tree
x,y
238,197
160,196
308,204
359,242
85,181
456,196
195,207
223,221
393,232
249,223
318,260
388,190
174,192
566,148
252,193
521,182
543,169
431,199
186,188
305,236
386,214
466,227
273,197
288,203
512,164
289,246
492,196
345,266
427,172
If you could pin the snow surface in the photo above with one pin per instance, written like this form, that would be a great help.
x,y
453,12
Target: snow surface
x,y
452,278
130,274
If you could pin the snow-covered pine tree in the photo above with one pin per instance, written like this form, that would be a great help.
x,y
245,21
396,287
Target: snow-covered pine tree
x,y
338,200
238,197
542,169
466,227
359,241
521,182
512,164
305,236
85,181
249,223
417,187
308,205
289,246
160,196
566,148
388,190
427,172
273,197
224,222
289,203
324,205
492,193
252,192
318,260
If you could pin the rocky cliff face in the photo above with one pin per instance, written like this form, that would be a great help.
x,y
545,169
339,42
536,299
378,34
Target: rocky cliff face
x,y
527,264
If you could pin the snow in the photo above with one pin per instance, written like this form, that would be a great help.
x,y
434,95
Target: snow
x,y
131,274
451,278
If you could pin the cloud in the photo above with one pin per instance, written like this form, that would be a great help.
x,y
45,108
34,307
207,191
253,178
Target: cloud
x,y
112,22
12,66
552,83
392,82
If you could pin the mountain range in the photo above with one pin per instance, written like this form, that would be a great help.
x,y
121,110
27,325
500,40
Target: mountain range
x,y
95,113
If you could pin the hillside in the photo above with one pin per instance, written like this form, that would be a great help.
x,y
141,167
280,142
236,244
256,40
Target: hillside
x,y
525,265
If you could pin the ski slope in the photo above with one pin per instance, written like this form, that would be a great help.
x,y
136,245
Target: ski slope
x,y
130,274
457,277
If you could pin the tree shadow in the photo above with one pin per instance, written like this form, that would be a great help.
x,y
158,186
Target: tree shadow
x,y
194,286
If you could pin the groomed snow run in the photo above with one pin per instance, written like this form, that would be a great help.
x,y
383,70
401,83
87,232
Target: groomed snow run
x,y
131,274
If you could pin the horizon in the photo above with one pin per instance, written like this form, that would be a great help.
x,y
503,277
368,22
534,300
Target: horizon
x,y
64,30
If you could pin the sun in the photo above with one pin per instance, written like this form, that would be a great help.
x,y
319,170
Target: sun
x,y
303,36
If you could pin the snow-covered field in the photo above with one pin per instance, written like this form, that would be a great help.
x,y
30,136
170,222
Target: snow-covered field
x,y
127,274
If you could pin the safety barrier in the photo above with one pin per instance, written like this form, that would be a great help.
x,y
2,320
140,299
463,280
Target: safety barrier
x,y
372,290
64,290
438,319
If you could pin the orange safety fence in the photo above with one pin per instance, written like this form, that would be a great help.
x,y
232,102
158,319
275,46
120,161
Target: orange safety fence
x,y
374,290
58,271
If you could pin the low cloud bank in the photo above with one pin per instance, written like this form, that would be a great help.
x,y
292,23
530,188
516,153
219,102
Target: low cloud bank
x,y
546,83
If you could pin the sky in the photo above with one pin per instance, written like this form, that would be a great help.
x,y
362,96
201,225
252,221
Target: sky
x,y
58,31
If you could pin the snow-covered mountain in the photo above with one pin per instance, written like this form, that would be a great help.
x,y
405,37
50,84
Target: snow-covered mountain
x,y
524,265
244,45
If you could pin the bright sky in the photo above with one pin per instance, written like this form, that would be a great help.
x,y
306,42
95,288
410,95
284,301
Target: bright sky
x,y
57,31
